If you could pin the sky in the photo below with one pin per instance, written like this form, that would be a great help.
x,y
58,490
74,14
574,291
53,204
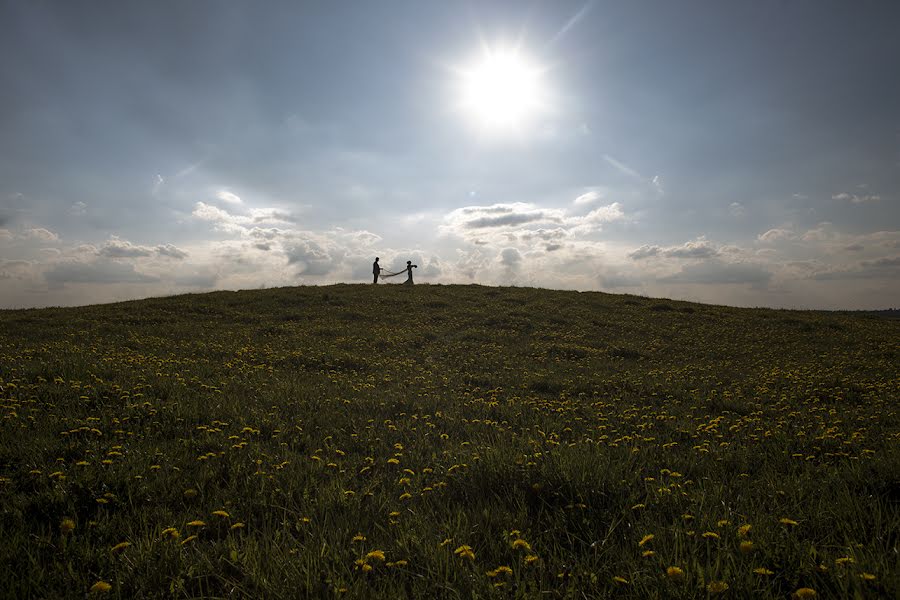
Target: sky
x,y
740,153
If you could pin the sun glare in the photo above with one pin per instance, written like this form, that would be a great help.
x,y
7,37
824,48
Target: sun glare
x,y
502,91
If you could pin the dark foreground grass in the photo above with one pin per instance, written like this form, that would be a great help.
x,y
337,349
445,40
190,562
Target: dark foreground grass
x,y
447,441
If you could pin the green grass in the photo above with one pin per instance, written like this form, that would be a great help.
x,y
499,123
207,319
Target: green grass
x,y
431,418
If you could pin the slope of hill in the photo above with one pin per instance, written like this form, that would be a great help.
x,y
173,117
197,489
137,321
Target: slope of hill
x,y
364,441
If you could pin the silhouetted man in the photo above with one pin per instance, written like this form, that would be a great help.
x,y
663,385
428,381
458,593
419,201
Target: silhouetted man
x,y
409,268
376,270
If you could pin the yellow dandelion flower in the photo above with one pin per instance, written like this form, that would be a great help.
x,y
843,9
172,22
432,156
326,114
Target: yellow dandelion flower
x,y
867,576
398,563
716,587
120,547
646,539
618,579
394,514
170,532
393,461
520,543
675,574
221,513
238,525
723,523
358,538
786,521
196,523
366,567
465,551
648,553
844,560
638,506
375,555
405,496
746,546
101,587
763,571
445,542
711,535
66,526
501,570
744,529
190,493
804,593
531,558
188,539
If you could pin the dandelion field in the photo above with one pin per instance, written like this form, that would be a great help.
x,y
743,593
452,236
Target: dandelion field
x,y
456,441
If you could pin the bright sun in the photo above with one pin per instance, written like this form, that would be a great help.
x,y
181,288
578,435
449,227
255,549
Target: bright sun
x,y
502,91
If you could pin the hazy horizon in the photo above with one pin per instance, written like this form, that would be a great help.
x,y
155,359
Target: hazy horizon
x,y
740,154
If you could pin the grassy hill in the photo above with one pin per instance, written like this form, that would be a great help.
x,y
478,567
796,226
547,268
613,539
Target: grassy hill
x,y
366,441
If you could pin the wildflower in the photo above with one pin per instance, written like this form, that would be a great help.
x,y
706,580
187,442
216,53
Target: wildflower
x,y
375,555
744,529
238,525
445,542
531,558
710,535
221,513
646,539
465,551
638,506
520,543
867,576
804,593
746,546
763,571
648,553
618,579
398,563
170,532
405,496
196,523
786,521
100,587
365,567
66,526
844,560
501,570
393,461
358,538
723,523
675,574
190,493
120,547
188,539
716,587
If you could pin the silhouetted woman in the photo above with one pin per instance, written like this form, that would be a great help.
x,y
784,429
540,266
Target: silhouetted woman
x,y
409,268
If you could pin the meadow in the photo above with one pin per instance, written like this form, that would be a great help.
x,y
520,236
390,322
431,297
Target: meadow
x,y
358,441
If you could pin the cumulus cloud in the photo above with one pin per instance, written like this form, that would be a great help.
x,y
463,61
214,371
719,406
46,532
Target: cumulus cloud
x,y
519,223
776,235
310,257
118,248
228,197
171,251
588,197
856,198
510,258
699,248
40,234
